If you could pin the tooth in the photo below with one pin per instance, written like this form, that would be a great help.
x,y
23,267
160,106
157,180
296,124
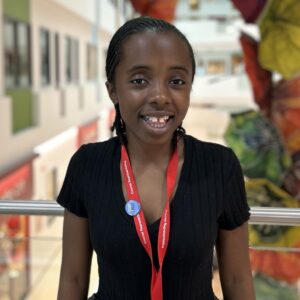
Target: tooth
x,y
160,120
153,119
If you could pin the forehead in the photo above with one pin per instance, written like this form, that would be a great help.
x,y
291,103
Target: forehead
x,y
165,48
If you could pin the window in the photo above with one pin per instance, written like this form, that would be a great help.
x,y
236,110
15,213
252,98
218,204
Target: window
x,y
45,56
114,2
200,67
76,59
68,59
17,54
104,55
194,4
57,60
91,62
10,54
23,54
237,64
71,59
216,67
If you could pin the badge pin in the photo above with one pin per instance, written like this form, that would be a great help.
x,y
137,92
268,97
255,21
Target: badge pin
x,y
132,207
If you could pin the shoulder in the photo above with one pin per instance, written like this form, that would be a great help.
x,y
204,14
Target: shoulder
x,y
213,151
98,148
94,153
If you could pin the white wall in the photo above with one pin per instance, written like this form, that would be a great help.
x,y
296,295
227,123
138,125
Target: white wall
x,y
48,15
109,18
206,9
83,8
70,24
53,154
104,125
5,121
103,45
203,33
18,146
49,121
222,91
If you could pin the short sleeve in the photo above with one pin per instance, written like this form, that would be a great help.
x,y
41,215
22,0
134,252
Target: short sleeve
x,y
71,193
235,208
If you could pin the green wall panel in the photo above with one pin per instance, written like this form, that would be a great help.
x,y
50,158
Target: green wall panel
x,y
22,108
17,9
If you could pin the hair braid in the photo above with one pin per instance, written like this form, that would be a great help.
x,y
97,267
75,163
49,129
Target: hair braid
x,y
119,126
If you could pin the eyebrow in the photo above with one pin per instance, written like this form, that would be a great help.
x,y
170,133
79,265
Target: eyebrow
x,y
145,67
180,68
137,67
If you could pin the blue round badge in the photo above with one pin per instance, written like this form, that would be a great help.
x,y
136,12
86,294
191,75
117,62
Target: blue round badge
x,y
132,207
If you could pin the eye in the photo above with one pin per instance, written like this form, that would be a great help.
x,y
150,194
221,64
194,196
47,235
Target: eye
x,y
177,82
138,81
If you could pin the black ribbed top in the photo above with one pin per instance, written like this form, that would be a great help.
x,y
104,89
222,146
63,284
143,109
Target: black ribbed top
x,y
210,195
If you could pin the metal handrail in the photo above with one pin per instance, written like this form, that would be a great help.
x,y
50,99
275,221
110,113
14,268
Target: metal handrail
x,y
31,207
275,216
259,215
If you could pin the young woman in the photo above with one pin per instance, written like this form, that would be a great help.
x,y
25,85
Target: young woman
x,y
153,202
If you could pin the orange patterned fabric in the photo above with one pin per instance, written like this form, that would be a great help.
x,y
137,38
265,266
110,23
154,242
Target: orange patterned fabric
x,y
261,79
285,112
278,265
161,9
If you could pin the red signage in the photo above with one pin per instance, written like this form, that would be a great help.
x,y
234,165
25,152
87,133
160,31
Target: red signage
x,y
88,133
17,184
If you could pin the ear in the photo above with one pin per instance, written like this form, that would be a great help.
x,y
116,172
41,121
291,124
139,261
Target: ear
x,y
111,92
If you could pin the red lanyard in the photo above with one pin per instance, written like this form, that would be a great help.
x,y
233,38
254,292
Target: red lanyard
x,y
140,223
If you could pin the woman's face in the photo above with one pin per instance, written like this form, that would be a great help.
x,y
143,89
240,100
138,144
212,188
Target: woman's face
x,y
152,85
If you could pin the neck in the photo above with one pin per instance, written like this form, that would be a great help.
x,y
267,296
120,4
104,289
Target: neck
x,y
149,153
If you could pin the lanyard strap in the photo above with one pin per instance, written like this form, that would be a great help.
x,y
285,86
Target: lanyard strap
x,y
140,222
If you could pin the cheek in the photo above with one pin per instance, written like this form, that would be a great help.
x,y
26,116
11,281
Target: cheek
x,y
123,111
130,103
183,102
184,109
127,110
130,97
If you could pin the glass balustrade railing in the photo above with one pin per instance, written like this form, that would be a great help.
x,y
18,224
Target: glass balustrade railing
x,y
275,261
276,273
30,252
30,256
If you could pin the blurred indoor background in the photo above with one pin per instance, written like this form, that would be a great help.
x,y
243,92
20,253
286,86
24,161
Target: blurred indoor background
x,y
246,95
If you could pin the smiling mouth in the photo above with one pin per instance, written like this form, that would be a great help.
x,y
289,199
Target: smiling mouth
x,y
157,122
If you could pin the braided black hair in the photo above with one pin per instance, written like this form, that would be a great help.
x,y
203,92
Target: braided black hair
x,y
134,26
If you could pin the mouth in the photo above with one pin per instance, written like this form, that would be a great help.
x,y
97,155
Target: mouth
x,y
157,122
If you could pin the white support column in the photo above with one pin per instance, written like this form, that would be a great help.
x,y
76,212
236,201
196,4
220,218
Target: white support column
x,y
228,64
2,66
35,49
99,49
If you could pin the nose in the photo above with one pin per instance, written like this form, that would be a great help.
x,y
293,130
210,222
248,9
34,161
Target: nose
x,y
159,93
